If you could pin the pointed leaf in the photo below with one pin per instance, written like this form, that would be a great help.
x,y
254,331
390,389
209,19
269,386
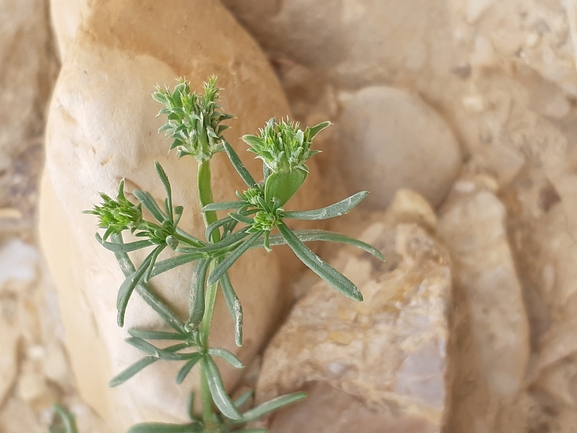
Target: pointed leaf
x,y
128,287
318,265
156,335
238,165
234,307
326,236
158,427
244,398
149,297
311,132
150,204
228,356
332,211
183,372
271,406
241,218
131,371
124,248
173,262
196,294
219,395
219,271
223,205
224,243
164,179
215,225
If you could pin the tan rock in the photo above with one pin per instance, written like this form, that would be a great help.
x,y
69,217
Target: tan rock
x,y
492,342
18,417
376,364
17,265
9,337
408,206
67,17
357,42
391,139
25,78
102,127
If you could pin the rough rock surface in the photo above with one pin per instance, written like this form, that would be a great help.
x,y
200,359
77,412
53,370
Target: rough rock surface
x,y
390,139
67,17
384,359
493,325
100,130
24,79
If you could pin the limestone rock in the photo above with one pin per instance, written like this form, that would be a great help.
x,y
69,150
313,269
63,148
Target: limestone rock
x,y
408,206
380,365
391,139
66,17
102,128
356,42
17,262
492,335
24,81
9,337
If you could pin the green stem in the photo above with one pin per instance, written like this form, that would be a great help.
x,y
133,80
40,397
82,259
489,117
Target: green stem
x,y
206,399
205,197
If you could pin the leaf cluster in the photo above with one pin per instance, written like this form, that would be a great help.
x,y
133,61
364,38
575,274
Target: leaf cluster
x,y
193,120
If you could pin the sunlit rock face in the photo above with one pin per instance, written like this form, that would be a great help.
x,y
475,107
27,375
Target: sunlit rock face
x,y
494,327
374,365
390,139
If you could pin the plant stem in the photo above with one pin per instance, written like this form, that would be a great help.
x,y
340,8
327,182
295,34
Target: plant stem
x,y
206,400
205,197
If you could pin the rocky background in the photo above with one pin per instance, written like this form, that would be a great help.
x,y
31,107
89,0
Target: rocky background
x,y
460,117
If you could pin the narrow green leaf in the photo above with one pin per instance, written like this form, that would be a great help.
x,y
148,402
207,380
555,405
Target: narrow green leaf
x,y
223,205
311,132
143,346
224,243
156,335
238,165
184,237
332,211
124,248
139,365
173,262
183,372
270,406
318,265
155,253
215,225
128,287
196,293
219,395
244,398
149,297
67,418
325,236
131,371
232,257
157,427
227,355
234,307
150,204
164,179
241,218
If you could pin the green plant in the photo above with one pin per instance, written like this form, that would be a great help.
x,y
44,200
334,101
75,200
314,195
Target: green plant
x,y
256,219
